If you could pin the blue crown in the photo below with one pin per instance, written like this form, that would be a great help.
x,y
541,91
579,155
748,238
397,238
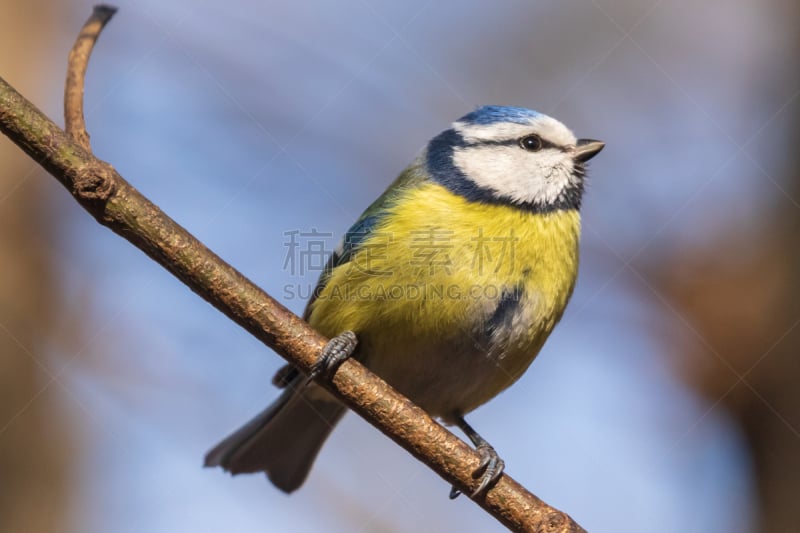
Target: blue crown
x,y
490,114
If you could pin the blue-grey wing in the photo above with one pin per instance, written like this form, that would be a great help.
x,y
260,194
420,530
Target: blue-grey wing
x,y
353,239
343,253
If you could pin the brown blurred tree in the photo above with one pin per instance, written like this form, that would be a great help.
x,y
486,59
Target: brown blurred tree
x,y
34,443
742,296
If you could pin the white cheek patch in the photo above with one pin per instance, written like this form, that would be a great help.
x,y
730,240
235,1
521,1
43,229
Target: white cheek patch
x,y
515,174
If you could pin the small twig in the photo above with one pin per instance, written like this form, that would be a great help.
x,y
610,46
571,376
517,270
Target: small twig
x,y
119,206
74,123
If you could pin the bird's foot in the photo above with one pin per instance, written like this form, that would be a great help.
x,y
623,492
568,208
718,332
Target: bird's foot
x,y
337,351
489,469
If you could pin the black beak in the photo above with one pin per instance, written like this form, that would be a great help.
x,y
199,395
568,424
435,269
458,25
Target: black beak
x,y
585,149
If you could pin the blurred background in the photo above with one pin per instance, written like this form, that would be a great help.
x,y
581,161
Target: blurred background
x,y
670,389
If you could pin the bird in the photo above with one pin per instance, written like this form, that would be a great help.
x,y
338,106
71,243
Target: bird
x,y
447,287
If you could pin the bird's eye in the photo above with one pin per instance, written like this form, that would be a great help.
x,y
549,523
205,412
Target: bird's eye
x,y
532,143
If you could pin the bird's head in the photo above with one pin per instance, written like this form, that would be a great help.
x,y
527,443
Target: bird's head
x,y
511,155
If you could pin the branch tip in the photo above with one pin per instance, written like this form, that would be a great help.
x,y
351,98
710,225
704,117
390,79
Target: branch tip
x,y
104,12
74,122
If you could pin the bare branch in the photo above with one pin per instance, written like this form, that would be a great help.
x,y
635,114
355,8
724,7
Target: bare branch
x,y
78,60
119,206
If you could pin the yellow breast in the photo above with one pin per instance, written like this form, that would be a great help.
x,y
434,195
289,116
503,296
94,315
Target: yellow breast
x,y
437,268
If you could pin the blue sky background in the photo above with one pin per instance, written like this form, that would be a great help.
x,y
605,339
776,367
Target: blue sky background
x,y
244,120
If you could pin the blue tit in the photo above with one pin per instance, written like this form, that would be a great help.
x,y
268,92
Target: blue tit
x,y
451,282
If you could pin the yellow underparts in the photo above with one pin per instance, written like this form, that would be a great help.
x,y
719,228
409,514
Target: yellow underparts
x,y
435,269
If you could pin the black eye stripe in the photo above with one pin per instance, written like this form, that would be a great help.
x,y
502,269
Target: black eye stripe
x,y
515,142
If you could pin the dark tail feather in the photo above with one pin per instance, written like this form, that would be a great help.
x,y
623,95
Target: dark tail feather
x,y
283,440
